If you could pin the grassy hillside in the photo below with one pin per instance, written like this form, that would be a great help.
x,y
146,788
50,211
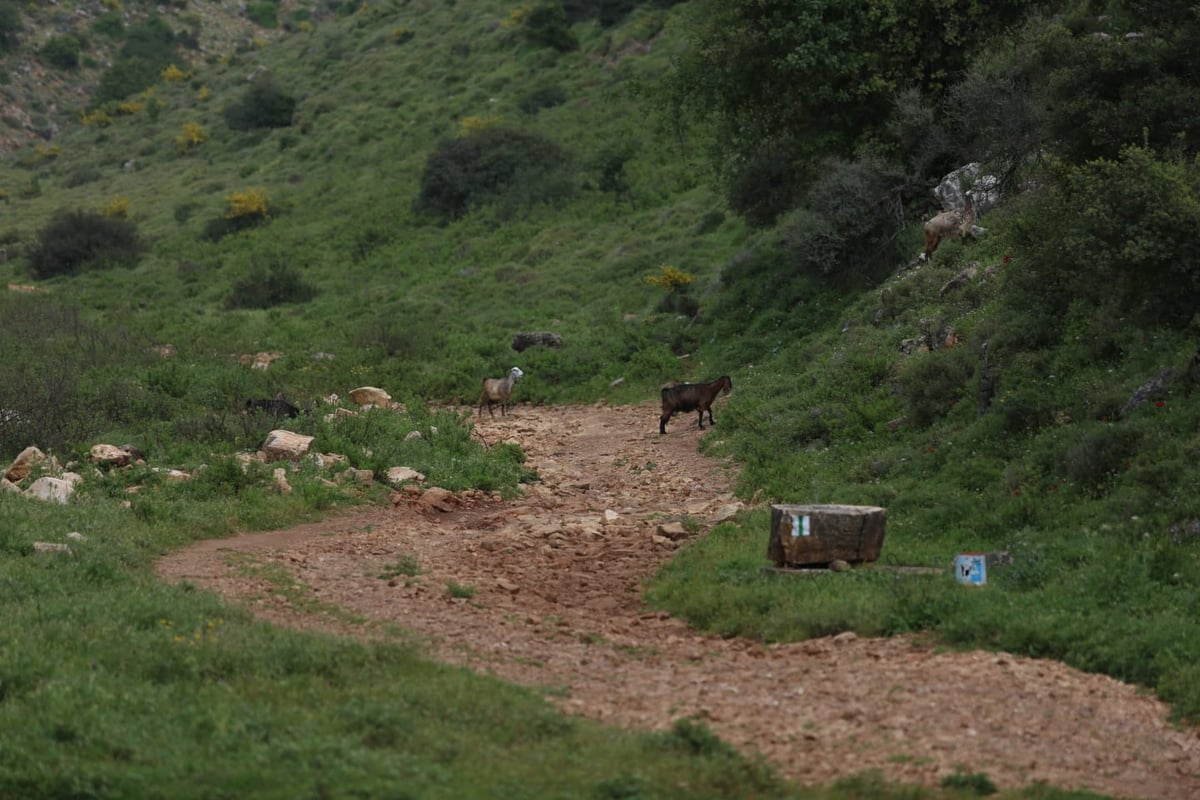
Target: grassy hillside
x,y
452,174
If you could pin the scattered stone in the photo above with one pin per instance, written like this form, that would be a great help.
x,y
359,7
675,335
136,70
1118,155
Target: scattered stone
x,y
24,463
76,536
50,547
398,475
283,445
371,397
110,455
726,513
411,435
673,531
58,490
838,565
507,585
435,498
281,482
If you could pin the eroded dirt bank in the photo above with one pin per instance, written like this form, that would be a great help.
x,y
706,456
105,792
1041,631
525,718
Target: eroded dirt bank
x,y
556,577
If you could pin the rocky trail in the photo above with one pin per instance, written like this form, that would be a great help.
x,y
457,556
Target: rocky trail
x,y
555,577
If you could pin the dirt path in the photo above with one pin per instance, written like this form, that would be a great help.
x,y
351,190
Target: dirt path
x,y
556,578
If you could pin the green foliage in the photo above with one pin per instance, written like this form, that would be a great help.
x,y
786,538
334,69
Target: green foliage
x,y
977,782
545,24
810,77
149,46
10,24
1113,235
495,163
74,241
63,378
1106,91
846,228
125,78
542,97
268,285
263,105
264,14
110,24
932,383
61,52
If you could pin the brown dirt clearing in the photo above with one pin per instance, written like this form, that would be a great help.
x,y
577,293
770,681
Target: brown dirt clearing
x,y
556,578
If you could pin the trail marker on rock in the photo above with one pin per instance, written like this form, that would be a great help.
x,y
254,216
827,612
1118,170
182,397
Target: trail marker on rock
x,y
817,535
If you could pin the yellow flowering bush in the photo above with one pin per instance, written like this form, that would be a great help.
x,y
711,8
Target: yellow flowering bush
x,y
100,118
48,152
669,278
250,203
130,107
203,93
117,207
402,35
173,74
192,135
469,126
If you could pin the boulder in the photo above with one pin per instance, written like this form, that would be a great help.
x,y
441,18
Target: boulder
x,y
113,456
281,445
58,490
370,396
24,463
398,475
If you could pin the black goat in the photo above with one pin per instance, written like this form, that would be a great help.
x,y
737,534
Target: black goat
x,y
692,397
276,407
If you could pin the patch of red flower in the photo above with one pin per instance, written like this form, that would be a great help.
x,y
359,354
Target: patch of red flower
x,y
1159,403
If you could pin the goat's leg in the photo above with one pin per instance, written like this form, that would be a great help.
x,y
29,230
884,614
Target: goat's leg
x,y
662,422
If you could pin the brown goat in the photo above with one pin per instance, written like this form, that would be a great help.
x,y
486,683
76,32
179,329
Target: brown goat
x,y
692,397
948,225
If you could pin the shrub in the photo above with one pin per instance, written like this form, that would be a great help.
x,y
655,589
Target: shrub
x,y
264,14
765,186
493,163
1117,235
10,24
263,105
1100,456
546,24
109,24
270,285
541,97
846,228
58,384
61,52
932,383
73,241
246,209
123,79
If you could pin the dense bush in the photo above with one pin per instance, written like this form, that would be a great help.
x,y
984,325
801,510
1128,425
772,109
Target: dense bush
x,y
1115,235
58,384
766,185
61,52
73,241
547,96
931,383
493,163
270,285
149,46
265,14
263,105
546,24
845,229
10,24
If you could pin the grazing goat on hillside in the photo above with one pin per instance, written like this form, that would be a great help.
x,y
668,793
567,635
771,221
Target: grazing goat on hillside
x,y
692,397
952,224
498,390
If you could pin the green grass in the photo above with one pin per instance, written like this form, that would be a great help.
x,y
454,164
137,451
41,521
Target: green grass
x,y
114,685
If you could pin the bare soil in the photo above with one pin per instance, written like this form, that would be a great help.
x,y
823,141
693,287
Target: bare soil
x,y
556,575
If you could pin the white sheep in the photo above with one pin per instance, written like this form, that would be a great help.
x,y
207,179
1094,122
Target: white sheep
x,y
499,390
